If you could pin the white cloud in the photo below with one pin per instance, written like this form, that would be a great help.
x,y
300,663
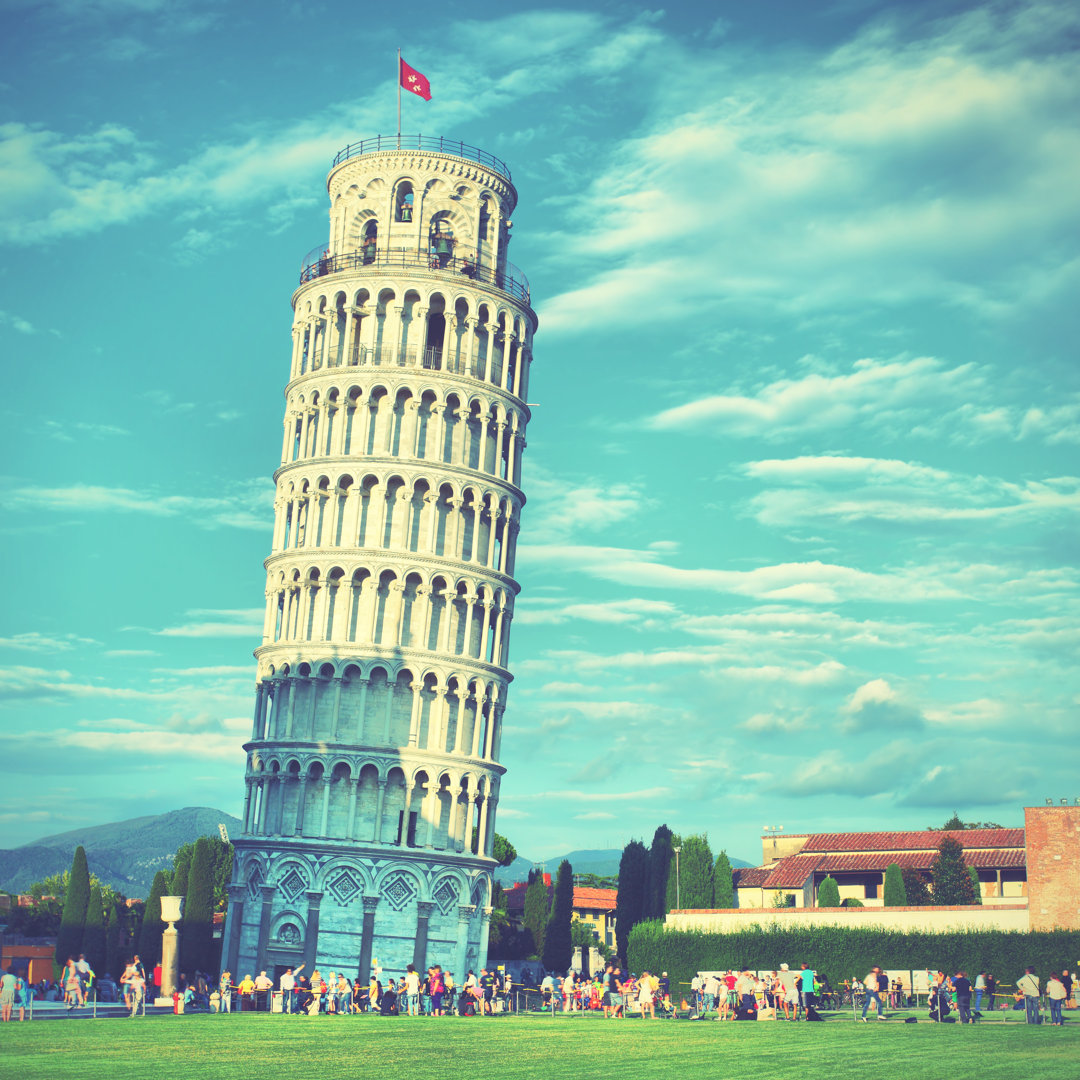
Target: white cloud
x,y
245,506
872,393
246,622
32,641
903,492
936,168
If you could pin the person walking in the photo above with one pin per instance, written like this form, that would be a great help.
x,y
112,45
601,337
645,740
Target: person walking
x,y
806,986
1028,985
980,989
873,994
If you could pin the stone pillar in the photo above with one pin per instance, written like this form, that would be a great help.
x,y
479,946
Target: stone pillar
x,y
485,930
234,922
379,810
367,938
465,914
311,939
423,913
265,917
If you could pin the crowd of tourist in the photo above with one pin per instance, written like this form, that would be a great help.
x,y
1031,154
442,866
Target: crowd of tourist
x,y
732,995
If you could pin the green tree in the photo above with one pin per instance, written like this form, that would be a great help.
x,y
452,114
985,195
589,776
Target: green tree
x,y
692,884
954,824
197,937
951,882
630,900
76,903
916,887
828,893
178,882
536,912
558,945
660,856
723,883
895,894
976,887
93,942
149,949
505,852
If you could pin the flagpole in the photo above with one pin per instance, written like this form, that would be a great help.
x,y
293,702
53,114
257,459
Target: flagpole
x,y
399,99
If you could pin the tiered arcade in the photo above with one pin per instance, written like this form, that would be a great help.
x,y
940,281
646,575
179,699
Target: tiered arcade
x,y
373,767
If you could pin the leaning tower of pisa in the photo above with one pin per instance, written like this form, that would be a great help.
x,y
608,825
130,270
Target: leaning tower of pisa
x,y
373,773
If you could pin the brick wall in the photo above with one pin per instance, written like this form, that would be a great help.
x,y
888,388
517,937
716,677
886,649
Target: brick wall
x,y
1052,835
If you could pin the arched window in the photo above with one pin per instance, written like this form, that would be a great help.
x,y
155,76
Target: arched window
x,y
369,244
403,204
440,242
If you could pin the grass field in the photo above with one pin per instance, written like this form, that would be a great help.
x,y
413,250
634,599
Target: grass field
x,y
515,1048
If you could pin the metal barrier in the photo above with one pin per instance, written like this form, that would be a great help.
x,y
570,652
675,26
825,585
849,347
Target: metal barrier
x,y
435,144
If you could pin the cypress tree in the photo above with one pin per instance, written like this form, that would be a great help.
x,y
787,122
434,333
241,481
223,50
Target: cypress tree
x,y
76,902
536,912
660,856
630,899
951,882
916,887
197,938
178,883
692,885
976,887
152,927
558,943
723,885
828,893
895,893
93,942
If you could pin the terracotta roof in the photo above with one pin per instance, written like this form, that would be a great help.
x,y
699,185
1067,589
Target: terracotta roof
x,y
922,840
916,860
751,877
595,899
515,898
792,872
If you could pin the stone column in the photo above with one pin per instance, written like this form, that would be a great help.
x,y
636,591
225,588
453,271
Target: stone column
x,y
423,913
367,937
414,717
485,929
465,914
234,922
379,810
265,917
298,827
311,939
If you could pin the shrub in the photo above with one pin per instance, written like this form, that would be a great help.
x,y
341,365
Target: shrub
x,y
837,951
828,893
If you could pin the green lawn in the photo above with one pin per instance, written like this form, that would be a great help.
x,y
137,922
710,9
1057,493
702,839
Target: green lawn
x,y
509,1048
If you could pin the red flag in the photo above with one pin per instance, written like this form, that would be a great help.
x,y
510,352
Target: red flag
x,y
411,79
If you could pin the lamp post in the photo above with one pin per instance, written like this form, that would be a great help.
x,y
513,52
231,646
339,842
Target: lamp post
x,y
172,910
678,892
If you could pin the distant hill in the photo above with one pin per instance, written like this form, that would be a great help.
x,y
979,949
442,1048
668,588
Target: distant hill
x,y
603,863
124,854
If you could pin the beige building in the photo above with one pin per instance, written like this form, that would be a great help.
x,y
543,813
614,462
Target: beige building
x,y
793,866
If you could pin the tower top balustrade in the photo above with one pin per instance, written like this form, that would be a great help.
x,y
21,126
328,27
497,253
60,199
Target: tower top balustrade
x,y
434,144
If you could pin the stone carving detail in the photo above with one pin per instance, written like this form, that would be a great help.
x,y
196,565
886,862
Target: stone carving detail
x,y
398,891
345,887
446,895
293,882
253,882
289,934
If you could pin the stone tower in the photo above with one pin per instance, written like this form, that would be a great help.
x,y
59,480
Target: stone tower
x,y
373,767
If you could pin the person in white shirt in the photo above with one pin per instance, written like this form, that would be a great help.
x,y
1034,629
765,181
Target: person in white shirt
x,y
789,981
1028,985
263,985
411,983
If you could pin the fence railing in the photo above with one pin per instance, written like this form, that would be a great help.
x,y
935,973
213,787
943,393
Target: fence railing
x,y
509,278
436,144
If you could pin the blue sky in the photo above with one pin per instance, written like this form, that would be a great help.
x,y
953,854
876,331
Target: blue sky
x,y
801,542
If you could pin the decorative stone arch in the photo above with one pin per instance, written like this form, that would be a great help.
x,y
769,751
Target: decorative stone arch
x,y
358,881
448,890
288,930
397,899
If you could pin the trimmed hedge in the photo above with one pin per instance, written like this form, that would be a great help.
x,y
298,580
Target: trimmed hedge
x,y
840,952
